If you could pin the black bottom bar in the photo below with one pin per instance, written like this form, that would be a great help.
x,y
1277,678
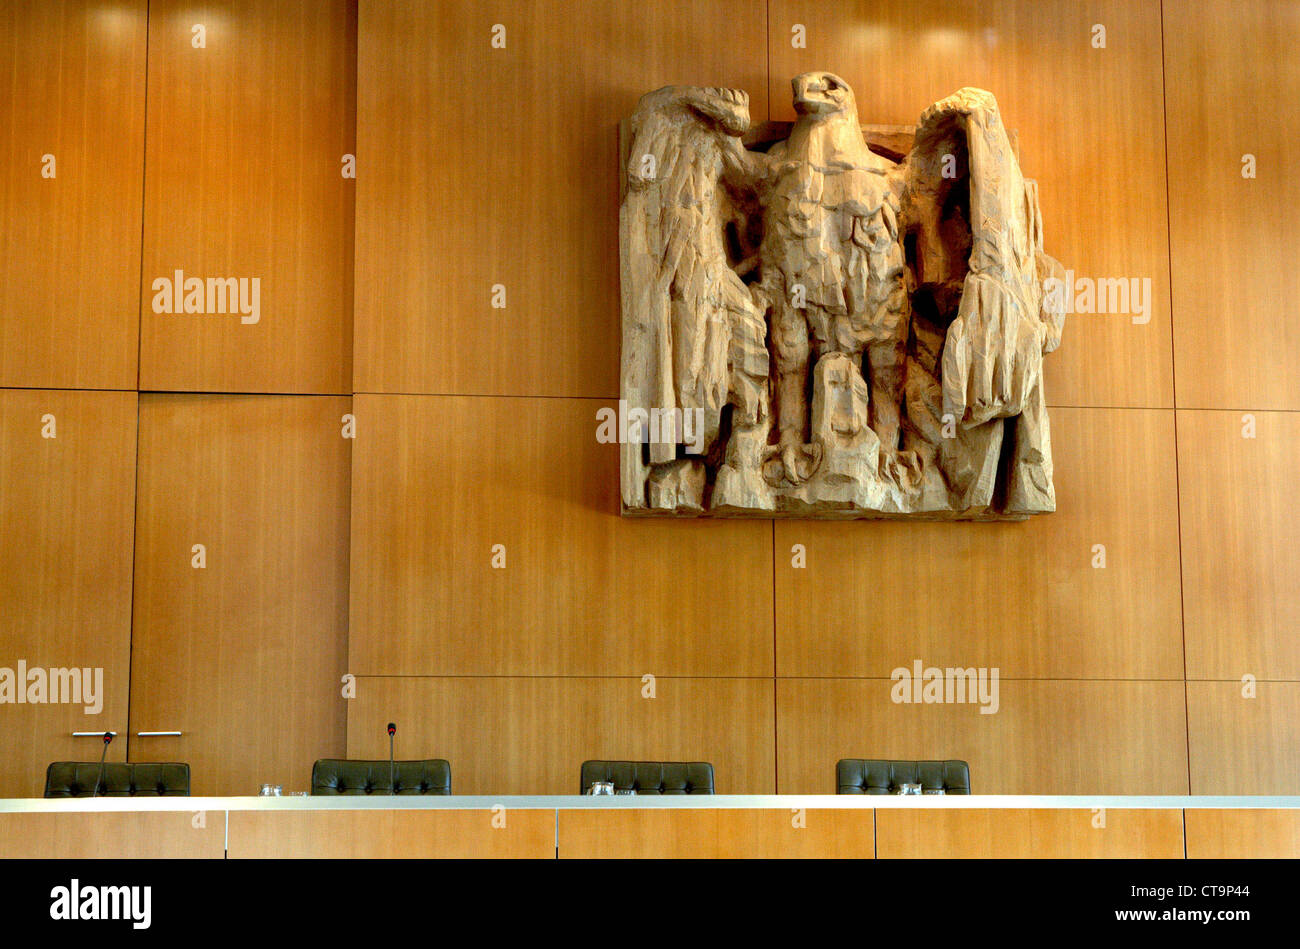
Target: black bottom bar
x,y
608,904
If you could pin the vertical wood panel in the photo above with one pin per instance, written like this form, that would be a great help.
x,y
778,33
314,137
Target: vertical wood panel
x,y
244,179
530,735
73,87
1089,123
1243,745
1241,543
441,481
491,166
65,579
245,655
1047,737
1022,597
1232,79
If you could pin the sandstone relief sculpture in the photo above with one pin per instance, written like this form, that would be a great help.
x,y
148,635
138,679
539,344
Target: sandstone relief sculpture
x,y
824,322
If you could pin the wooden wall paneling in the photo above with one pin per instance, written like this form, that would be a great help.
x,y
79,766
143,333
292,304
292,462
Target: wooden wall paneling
x,y
530,735
70,246
1240,543
396,834
244,656
1047,737
1243,745
1232,80
1242,833
66,516
1097,150
115,835
1024,597
439,482
241,177
1002,833
734,834
244,180
503,170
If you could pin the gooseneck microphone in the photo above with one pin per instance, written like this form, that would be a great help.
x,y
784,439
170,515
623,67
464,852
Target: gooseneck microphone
x,y
108,740
392,784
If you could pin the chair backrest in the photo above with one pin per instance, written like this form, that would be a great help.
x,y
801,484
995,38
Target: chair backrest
x,y
871,776
121,779
354,776
650,777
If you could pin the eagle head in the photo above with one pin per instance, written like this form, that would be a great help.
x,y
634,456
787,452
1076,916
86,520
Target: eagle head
x,y
822,93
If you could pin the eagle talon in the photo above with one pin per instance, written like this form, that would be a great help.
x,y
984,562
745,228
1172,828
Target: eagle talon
x,y
791,464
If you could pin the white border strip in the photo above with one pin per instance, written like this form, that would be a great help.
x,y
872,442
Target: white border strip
x,y
579,802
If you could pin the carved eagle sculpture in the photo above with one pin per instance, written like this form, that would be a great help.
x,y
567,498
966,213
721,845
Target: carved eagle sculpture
x,y
900,297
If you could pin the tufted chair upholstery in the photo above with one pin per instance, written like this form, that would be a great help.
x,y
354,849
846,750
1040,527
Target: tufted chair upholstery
x,y
650,777
863,776
344,776
121,779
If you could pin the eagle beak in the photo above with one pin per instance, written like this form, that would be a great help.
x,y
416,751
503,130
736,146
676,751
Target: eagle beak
x,y
809,94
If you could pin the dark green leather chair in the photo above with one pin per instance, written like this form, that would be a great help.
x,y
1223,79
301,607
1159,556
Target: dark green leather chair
x,y
650,777
876,776
353,777
121,779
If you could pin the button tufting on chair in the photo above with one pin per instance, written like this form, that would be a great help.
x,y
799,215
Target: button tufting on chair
x,y
121,779
878,776
650,777
357,776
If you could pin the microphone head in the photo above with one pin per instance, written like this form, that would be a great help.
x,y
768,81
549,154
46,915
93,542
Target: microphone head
x,y
108,737
392,728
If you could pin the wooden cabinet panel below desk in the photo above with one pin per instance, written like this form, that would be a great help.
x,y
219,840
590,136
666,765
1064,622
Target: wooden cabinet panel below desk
x,y
716,833
999,833
410,834
1242,833
91,835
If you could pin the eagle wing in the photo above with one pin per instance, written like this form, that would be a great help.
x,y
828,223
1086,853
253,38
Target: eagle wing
x,y
681,297
978,233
